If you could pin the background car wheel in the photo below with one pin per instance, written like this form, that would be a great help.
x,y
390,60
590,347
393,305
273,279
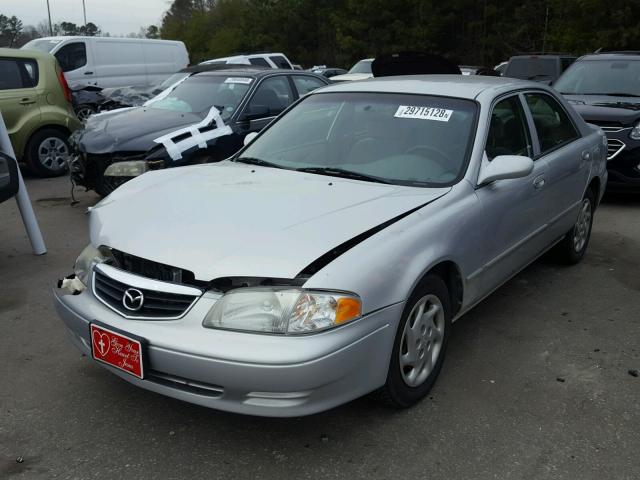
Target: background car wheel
x,y
84,111
572,248
47,152
420,344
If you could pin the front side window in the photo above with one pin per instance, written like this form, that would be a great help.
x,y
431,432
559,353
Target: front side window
x,y
259,61
306,85
404,139
272,97
601,77
508,132
553,126
280,61
200,92
72,56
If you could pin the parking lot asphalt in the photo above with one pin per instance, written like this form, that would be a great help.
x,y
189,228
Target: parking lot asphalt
x,y
537,382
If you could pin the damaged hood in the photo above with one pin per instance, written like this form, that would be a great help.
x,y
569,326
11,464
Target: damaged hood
x,y
228,219
131,129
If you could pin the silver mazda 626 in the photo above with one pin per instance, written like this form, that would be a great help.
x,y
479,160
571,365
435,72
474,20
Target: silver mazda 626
x,y
329,257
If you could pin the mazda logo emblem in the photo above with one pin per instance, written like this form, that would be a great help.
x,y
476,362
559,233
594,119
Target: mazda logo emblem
x,y
133,299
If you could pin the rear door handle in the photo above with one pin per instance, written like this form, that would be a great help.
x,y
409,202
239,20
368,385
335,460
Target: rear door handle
x,y
26,101
539,182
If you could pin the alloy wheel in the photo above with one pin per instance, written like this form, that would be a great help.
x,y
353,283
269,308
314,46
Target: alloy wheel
x,y
582,226
53,153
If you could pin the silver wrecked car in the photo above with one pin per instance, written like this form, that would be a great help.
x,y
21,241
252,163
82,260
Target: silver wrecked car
x,y
329,257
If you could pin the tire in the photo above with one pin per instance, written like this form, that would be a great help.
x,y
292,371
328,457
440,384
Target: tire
x,y
574,245
47,152
84,111
406,383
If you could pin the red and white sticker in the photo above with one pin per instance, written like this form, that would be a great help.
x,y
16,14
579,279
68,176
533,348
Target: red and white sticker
x,y
424,113
117,350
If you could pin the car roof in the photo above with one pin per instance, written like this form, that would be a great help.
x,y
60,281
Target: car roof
x,y
461,86
19,53
254,72
611,56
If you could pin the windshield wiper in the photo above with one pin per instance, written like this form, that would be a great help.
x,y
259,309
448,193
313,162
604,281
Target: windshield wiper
x,y
257,161
617,94
339,172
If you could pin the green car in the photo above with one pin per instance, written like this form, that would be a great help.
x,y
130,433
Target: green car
x,y
35,102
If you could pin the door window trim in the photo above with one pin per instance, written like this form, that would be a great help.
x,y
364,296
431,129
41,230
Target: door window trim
x,y
528,124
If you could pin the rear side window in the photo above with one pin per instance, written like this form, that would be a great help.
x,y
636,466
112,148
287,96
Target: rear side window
x,y
553,126
273,93
305,85
508,132
280,61
72,56
259,61
18,73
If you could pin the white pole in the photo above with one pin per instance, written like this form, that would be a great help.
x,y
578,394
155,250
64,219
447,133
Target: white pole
x,y
22,198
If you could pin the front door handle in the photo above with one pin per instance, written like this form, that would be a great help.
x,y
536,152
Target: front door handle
x,y
539,182
27,101
88,73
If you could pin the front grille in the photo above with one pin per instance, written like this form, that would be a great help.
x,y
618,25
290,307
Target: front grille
x,y
156,304
614,147
150,269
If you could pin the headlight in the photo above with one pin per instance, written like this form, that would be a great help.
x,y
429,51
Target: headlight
x,y
89,257
282,311
634,134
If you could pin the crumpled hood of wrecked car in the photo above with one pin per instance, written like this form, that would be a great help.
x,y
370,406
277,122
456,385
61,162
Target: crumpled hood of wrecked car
x,y
229,219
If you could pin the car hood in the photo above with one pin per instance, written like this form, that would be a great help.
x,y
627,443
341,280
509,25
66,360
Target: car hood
x,y
130,129
604,108
351,77
228,219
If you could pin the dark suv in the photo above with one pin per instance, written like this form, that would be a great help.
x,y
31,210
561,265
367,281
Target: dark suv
x,y
605,89
545,68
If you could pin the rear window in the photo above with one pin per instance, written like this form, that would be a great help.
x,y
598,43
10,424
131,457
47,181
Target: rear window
x,y
72,56
18,73
533,68
280,61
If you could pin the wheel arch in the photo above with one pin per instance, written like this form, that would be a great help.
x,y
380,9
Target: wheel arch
x,y
595,186
450,273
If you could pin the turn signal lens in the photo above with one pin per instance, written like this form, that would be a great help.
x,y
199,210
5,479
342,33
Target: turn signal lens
x,y
348,309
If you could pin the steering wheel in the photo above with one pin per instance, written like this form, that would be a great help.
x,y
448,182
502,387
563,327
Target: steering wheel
x,y
441,159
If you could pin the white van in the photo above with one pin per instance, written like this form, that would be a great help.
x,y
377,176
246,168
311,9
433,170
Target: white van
x,y
268,60
114,62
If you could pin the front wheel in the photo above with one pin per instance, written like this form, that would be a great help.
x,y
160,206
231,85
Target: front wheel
x,y
574,245
420,344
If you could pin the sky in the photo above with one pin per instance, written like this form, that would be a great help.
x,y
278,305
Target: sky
x,y
118,17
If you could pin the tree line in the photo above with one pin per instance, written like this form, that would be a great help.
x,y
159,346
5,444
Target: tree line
x,y
340,32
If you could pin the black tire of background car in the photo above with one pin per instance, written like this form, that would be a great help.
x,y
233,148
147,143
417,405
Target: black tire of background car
x,y
83,111
564,252
396,393
31,152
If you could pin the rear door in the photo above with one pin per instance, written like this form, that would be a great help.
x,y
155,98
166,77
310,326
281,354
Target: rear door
x,y
514,209
567,155
18,97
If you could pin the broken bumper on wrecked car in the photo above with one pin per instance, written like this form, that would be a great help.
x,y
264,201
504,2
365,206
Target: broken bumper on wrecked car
x,y
250,373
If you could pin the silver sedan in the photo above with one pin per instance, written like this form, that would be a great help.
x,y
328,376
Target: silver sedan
x,y
329,257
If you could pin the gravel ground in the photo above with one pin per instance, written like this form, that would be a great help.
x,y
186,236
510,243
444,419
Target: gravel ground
x,y
537,383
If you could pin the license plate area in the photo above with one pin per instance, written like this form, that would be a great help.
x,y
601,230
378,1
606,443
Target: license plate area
x,y
118,349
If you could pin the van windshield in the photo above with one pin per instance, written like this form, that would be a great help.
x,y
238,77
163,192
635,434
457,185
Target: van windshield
x,y
198,93
363,66
43,45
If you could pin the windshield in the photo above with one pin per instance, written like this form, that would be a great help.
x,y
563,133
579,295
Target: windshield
x,y
403,139
167,82
532,68
363,66
41,44
605,77
198,93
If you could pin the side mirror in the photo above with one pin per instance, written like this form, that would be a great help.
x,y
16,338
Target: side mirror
x,y
505,167
254,112
8,177
249,138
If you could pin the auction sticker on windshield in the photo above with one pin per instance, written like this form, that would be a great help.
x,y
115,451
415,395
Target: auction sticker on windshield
x,y
423,113
117,350
243,80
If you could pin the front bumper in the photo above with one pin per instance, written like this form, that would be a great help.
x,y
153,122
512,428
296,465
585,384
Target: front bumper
x,y
624,166
267,375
